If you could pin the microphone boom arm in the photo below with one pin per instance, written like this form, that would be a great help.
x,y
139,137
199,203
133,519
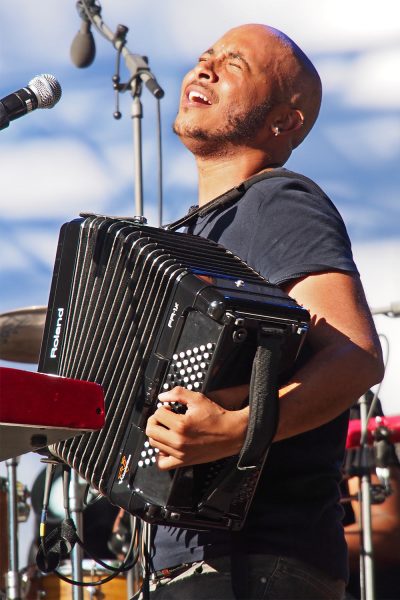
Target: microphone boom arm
x,y
139,72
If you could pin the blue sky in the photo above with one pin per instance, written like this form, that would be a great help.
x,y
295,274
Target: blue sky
x,y
77,157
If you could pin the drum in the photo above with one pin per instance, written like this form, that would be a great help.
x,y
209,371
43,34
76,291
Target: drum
x,y
41,586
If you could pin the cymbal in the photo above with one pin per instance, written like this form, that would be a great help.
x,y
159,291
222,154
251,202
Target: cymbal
x,y
21,332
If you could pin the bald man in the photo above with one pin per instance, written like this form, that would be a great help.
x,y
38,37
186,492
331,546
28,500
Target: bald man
x,y
250,100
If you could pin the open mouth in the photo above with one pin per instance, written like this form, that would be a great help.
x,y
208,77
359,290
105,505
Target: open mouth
x,y
198,98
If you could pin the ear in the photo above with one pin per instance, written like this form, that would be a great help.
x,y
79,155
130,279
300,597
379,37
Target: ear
x,y
288,122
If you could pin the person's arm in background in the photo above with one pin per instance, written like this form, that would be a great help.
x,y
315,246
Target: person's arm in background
x,y
385,519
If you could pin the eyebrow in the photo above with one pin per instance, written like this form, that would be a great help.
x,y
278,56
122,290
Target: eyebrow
x,y
235,55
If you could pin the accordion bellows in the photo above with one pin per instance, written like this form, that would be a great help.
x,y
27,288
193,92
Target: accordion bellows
x,y
139,310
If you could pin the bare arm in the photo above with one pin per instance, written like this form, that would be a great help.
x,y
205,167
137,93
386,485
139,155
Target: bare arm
x,y
346,362
347,357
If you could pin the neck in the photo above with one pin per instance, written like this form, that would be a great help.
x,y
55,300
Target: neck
x,y
218,175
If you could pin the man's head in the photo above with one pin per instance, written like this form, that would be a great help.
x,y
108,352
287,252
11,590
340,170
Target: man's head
x,y
254,88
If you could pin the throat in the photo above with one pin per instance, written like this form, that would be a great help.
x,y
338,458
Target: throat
x,y
217,177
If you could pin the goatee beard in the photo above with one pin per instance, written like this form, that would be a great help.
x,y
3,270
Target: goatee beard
x,y
238,129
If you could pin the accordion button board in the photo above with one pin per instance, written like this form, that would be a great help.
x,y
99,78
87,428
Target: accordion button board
x,y
140,310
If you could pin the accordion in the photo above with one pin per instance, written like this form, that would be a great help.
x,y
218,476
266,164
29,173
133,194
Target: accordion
x,y
140,310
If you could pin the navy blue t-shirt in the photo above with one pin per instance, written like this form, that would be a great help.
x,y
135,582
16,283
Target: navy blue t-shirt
x,y
284,227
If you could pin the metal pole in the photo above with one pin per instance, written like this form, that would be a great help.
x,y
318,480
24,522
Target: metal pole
x,y
367,582
134,576
76,507
137,115
13,584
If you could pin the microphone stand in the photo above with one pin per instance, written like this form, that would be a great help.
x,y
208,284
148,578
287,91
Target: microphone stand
x,y
139,72
367,579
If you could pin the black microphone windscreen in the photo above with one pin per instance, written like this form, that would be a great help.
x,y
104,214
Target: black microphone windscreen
x,y
83,48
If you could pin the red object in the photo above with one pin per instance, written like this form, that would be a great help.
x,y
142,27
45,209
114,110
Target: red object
x,y
391,424
37,409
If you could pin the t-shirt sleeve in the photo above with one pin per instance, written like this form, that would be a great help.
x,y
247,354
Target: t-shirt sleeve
x,y
297,231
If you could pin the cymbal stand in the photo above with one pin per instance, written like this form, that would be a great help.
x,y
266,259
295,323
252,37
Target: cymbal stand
x,y
76,509
13,583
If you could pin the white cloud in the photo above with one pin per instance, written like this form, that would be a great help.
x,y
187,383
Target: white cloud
x,y
319,26
182,171
52,178
26,248
378,266
38,244
366,81
12,258
370,140
374,80
161,29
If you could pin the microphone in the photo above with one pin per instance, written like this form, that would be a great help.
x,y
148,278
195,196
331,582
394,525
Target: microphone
x,y
83,48
43,91
393,310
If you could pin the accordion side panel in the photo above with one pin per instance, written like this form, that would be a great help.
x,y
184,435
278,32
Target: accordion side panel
x,y
82,293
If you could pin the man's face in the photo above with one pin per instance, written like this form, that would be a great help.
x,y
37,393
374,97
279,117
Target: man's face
x,y
226,98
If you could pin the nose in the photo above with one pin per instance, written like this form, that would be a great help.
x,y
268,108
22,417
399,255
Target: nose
x,y
205,69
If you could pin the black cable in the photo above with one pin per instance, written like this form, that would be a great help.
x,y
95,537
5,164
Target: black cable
x,y
50,468
123,567
115,570
94,9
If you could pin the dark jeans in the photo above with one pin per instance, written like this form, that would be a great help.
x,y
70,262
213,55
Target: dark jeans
x,y
249,578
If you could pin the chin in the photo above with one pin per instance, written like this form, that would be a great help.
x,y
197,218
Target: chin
x,y
187,130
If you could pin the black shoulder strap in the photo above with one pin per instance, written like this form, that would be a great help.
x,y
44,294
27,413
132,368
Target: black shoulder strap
x,y
233,195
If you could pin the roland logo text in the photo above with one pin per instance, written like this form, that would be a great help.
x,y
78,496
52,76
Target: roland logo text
x,y
57,332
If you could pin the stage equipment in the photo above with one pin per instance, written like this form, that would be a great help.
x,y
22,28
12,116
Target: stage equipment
x,y
83,53
37,410
43,91
51,587
140,310
17,501
83,47
377,428
392,310
21,332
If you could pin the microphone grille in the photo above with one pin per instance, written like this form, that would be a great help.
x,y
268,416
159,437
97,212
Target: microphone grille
x,y
47,88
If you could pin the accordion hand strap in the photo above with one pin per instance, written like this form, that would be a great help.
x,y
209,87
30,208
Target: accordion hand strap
x,y
263,400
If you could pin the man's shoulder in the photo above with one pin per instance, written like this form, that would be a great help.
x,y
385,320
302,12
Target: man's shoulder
x,y
283,178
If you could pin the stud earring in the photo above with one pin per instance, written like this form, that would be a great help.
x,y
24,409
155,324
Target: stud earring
x,y
276,131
